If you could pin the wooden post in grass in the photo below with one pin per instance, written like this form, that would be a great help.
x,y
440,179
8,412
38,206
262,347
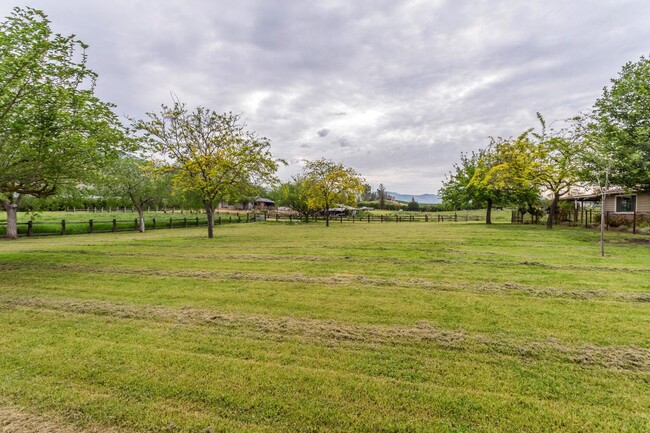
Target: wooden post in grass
x,y
30,228
197,221
135,224
62,227
153,227
114,225
634,222
90,226
185,222
171,223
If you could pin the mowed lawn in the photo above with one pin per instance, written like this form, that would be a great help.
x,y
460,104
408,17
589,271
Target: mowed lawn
x,y
360,327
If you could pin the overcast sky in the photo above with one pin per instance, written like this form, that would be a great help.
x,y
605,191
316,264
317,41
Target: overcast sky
x,y
395,89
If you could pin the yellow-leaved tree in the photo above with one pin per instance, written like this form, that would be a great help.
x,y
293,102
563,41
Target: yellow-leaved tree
x,y
326,183
208,153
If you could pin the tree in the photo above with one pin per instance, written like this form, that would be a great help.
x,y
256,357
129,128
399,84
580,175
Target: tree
x,y
381,196
505,173
459,192
139,182
368,193
292,194
209,153
413,205
53,130
621,119
559,156
327,183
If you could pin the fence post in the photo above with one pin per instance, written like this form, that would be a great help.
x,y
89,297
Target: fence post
x,y
197,221
606,220
135,224
276,216
229,219
219,220
247,217
185,222
114,225
90,226
154,224
62,227
289,217
30,228
634,223
368,218
455,217
381,218
426,218
171,223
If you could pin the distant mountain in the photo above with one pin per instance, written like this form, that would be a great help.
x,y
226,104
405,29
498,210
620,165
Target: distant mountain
x,y
420,198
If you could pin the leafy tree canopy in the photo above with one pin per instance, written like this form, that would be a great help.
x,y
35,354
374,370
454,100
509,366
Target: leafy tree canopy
x,y
209,153
327,183
53,130
622,125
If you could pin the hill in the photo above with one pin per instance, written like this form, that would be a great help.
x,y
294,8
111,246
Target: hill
x,y
420,198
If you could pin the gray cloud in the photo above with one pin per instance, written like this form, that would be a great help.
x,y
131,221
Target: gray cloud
x,y
323,132
343,142
406,85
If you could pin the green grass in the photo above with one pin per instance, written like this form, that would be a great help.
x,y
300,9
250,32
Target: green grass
x,y
359,327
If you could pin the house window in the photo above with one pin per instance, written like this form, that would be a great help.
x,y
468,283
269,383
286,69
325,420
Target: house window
x,y
626,203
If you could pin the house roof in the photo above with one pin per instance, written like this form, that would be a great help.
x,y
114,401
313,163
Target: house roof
x,y
264,200
595,196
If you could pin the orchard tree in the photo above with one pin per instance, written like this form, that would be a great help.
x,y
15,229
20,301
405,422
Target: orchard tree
x,y
53,130
459,192
505,172
327,183
208,153
621,120
292,194
137,181
559,159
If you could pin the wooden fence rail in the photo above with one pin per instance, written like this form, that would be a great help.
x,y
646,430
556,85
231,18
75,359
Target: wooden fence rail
x,y
64,227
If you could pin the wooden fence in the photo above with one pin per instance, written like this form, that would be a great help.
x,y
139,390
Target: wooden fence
x,y
377,218
590,218
63,227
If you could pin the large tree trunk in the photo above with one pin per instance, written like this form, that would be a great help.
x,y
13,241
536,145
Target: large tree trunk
x,y
12,219
209,211
488,213
552,211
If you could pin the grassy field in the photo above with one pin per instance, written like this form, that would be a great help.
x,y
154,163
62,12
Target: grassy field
x,y
359,327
